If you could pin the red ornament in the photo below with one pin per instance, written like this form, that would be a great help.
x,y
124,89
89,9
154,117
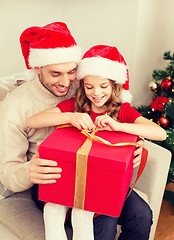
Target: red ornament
x,y
163,121
166,84
159,103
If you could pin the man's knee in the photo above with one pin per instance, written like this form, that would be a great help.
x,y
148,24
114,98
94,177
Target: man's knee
x,y
136,218
142,212
105,227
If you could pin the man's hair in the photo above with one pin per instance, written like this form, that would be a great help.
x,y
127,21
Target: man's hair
x,y
83,104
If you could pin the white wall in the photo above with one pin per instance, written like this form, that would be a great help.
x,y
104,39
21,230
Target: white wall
x,y
141,29
154,36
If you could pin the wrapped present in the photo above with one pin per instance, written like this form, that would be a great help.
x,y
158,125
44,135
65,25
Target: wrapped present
x,y
95,174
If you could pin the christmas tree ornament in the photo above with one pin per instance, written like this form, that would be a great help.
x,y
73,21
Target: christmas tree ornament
x,y
158,103
153,86
166,84
163,122
173,88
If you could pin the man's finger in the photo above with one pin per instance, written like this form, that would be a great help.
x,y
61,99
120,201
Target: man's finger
x,y
38,181
37,150
49,170
45,162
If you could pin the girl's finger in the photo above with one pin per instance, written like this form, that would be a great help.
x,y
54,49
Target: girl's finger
x,y
138,151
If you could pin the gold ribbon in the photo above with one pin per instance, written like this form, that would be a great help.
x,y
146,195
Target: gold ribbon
x,y
81,172
82,159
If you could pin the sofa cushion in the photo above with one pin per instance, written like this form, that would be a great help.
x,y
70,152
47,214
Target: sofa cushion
x,y
21,217
8,83
4,192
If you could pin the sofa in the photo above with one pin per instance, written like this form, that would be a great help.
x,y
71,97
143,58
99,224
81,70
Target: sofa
x,y
21,220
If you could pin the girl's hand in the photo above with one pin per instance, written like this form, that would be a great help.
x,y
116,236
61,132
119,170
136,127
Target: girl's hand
x,y
105,122
138,153
81,121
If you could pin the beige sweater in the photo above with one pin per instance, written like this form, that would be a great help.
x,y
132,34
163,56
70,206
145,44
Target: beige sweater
x,y
17,142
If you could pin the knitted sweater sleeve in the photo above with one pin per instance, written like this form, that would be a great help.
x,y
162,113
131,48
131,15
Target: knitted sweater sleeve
x,y
14,144
14,169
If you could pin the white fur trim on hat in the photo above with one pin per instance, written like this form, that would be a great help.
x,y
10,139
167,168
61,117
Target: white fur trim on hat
x,y
43,57
102,67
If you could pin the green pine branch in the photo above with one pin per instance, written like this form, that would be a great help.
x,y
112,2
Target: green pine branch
x,y
168,56
168,71
169,110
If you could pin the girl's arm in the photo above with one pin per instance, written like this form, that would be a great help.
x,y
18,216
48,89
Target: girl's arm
x,y
54,117
47,118
141,127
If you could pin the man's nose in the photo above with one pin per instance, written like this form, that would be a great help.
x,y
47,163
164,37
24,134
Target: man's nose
x,y
65,81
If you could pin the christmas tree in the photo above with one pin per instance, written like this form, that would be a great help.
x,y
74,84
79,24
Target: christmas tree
x,y
161,109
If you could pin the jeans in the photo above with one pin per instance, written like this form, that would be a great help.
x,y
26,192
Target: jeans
x,y
135,219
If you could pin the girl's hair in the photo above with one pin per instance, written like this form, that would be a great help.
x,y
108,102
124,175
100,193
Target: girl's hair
x,y
83,104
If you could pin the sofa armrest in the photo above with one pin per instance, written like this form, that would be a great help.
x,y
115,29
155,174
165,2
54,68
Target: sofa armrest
x,y
8,83
153,180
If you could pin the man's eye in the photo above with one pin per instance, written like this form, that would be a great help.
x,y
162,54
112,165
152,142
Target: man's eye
x,y
55,75
72,72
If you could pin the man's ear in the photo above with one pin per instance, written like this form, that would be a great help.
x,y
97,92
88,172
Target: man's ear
x,y
37,70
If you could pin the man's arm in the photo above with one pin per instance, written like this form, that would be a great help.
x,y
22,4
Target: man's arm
x,y
14,168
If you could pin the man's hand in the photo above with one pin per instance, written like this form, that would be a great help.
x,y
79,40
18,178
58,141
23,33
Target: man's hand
x,y
43,171
138,153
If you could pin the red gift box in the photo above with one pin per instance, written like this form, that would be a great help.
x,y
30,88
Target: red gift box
x,y
108,176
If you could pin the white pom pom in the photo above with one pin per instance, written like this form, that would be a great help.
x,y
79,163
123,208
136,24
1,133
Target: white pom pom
x,y
29,74
125,96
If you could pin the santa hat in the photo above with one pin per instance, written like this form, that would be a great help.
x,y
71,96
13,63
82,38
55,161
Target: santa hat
x,y
51,44
106,62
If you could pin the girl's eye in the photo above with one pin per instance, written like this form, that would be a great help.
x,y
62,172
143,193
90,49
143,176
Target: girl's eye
x,y
104,86
89,87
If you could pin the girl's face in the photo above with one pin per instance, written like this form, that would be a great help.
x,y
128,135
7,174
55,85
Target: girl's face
x,y
98,91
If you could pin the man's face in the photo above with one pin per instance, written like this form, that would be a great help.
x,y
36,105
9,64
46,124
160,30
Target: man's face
x,y
57,77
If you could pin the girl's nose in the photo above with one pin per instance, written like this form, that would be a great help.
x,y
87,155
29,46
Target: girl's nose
x,y
96,91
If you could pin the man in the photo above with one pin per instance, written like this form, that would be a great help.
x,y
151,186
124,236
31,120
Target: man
x,y
51,56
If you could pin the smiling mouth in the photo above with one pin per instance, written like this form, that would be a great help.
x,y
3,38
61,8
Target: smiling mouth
x,y
98,99
62,89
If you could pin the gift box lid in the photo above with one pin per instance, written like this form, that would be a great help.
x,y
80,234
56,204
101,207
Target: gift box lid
x,y
63,143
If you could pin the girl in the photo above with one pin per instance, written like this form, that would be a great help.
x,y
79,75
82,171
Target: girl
x,y
101,102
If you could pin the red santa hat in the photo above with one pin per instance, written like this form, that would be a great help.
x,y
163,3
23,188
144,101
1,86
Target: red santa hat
x,y
106,62
51,44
